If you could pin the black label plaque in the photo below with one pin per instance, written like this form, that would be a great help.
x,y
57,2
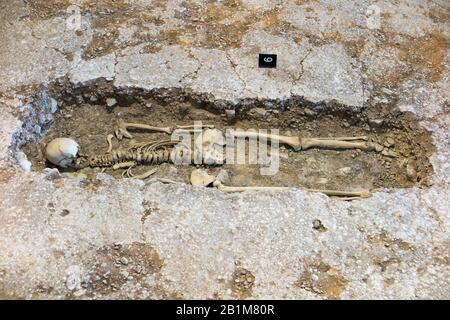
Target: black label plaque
x,y
267,60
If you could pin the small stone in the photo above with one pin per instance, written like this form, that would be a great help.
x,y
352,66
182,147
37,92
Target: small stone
x,y
411,173
344,171
376,122
110,102
231,114
378,147
124,261
389,142
64,212
322,180
24,163
37,129
317,224
310,112
261,112
200,177
223,176
53,105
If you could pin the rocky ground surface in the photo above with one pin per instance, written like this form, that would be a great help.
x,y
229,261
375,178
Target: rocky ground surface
x,y
69,237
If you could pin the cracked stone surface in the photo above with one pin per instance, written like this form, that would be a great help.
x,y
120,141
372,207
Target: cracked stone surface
x,y
67,237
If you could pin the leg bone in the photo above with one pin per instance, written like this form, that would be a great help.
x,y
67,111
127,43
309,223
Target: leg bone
x,y
346,195
330,143
298,143
228,189
194,128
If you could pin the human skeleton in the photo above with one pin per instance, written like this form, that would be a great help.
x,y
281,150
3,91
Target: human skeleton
x,y
167,150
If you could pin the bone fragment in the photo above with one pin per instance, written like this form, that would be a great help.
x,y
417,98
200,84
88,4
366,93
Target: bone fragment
x,y
201,178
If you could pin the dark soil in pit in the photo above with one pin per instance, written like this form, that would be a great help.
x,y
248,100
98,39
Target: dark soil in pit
x,y
89,124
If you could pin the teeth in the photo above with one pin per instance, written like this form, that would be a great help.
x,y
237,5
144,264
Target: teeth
x,y
61,151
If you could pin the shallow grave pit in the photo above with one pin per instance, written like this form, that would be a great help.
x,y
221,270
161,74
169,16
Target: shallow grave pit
x,y
88,114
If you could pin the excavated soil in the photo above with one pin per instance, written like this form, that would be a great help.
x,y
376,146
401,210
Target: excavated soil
x,y
84,116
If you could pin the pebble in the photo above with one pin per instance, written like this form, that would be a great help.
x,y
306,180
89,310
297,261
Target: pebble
x,y
411,173
223,176
110,102
317,224
344,171
259,111
376,122
309,112
231,114
322,180
124,261
53,105
378,147
389,142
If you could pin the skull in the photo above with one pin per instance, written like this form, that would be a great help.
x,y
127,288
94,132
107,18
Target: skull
x,y
62,152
